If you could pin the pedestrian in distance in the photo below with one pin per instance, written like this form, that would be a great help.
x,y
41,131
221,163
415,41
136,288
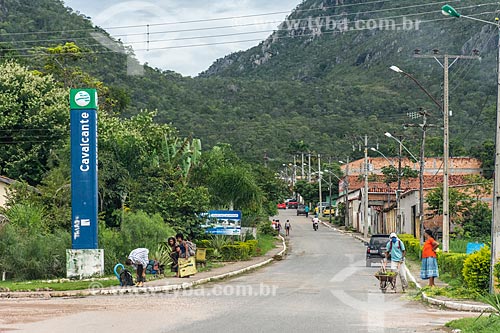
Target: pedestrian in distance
x,y
429,269
278,226
288,226
306,209
396,253
138,258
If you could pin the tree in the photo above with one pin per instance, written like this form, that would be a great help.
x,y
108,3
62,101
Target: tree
x,y
458,201
34,121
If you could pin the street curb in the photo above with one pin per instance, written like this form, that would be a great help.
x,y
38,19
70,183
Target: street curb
x,y
148,290
447,304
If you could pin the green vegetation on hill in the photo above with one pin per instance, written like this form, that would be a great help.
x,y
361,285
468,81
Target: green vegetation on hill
x,y
324,90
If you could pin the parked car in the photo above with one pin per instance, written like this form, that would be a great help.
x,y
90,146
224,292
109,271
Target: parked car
x,y
292,203
281,205
301,210
376,248
328,210
324,205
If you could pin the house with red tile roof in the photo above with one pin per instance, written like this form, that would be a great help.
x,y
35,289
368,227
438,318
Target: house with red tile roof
x,y
383,216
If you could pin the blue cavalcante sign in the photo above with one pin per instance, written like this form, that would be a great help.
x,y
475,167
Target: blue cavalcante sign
x,y
84,198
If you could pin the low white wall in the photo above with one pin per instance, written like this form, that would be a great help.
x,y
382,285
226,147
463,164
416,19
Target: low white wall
x,y
84,263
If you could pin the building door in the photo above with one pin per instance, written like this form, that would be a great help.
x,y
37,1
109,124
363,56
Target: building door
x,y
414,220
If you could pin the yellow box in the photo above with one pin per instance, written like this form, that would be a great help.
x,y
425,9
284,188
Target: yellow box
x,y
187,266
201,254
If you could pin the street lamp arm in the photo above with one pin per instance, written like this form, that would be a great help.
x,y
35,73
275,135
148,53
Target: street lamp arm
x,y
424,90
389,135
378,151
331,173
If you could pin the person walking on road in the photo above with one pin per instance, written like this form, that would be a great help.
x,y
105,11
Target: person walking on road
x,y
306,209
138,258
288,226
396,253
429,269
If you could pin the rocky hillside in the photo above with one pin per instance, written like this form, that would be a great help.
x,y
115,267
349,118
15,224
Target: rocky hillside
x,y
319,82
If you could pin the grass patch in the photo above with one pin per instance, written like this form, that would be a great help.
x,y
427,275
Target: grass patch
x,y
56,286
484,324
451,292
266,243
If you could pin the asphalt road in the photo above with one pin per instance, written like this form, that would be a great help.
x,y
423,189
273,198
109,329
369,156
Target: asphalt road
x,y
321,286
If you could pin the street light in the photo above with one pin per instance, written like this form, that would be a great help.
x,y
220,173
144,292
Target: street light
x,y
389,187
389,135
444,111
378,151
495,223
421,180
399,70
330,174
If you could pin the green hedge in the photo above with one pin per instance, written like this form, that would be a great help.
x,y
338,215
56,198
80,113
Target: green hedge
x,y
452,264
412,246
233,252
476,270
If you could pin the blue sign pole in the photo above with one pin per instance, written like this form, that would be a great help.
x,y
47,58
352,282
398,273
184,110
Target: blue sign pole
x,y
84,191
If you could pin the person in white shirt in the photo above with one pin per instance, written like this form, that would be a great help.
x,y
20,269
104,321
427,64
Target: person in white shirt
x,y
138,258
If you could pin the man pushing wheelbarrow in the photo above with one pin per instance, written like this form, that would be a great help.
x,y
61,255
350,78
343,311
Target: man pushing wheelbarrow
x,y
396,253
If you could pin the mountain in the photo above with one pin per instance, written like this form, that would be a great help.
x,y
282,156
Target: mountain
x,y
318,83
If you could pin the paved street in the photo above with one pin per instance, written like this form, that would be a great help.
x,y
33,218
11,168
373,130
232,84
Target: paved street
x,y
321,286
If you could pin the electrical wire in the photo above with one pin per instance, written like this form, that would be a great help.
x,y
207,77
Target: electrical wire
x,y
224,18
229,42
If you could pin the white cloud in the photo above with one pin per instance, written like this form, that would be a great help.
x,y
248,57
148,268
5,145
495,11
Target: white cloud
x,y
166,49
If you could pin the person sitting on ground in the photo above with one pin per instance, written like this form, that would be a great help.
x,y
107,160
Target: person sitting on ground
x,y
396,252
138,258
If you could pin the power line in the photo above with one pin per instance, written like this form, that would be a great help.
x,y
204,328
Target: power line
x,y
229,18
233,42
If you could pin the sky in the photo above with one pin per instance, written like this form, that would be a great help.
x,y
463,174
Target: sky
x,y
170,33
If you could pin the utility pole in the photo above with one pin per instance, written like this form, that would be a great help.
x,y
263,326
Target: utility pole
x,y
424,126
294,172
309,171
302,167
365,210
398,191
319,183
446,196
347,217
330,189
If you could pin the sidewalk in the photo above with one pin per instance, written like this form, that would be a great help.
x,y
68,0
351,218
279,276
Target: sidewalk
x,y
165,284
413,271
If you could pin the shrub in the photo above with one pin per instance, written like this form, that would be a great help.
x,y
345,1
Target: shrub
x,y
239,251
138,229
265,228
252,244
452,264
497,274
412,246
476,270
29,256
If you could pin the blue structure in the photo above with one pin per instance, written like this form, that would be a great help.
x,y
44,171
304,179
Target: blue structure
x,y
84,192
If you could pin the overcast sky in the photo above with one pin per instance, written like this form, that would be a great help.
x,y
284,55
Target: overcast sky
x,y
127,21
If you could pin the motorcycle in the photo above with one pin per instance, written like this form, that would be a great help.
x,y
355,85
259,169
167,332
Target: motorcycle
x,y
315,226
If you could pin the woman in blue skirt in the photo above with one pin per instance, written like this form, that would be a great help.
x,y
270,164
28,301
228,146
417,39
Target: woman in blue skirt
x,y
429,269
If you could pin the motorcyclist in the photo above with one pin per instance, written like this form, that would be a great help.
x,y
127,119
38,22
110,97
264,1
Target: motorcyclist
x,y
315,222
